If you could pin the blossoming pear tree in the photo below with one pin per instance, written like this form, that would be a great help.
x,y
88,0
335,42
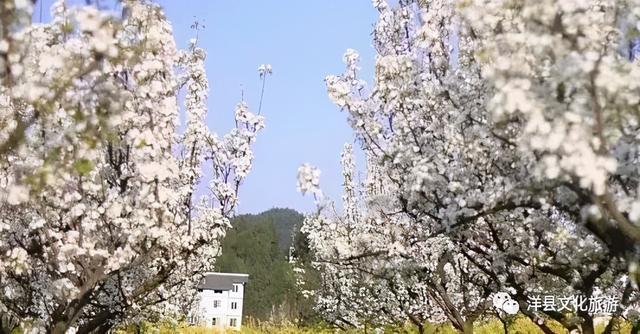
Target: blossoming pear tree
x,y
372,271
487,181
99,215
564,88
375,273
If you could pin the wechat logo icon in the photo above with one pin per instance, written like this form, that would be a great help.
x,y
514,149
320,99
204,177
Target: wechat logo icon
x,y
502,301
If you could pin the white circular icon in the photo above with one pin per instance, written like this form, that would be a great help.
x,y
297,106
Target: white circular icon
x,y
499,299
503,301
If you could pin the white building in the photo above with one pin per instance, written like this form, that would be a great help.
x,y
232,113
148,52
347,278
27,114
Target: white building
x,y
221,299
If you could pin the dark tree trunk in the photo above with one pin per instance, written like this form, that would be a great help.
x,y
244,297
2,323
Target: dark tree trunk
x,y
96,324
587,325
542,325
8,323
610,324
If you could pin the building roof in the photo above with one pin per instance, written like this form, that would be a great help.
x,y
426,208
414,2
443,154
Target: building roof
x,y
221,281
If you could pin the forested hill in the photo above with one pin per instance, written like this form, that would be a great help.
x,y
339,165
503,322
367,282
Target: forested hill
x,y
283,220
258,245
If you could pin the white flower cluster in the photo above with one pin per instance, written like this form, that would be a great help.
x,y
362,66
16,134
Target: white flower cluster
x,y
98,217
265,69
309,180
502,155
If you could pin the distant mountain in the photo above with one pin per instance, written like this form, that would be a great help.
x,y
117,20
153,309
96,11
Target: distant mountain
x,y
285,221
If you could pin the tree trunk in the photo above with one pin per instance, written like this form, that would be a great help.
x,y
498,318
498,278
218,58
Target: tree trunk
x,y
468,327
104,328
8,323
504,323
98,321
418,322
542,325
58,327
610,325
587,325
420,328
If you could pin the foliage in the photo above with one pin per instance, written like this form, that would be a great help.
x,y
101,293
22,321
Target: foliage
x,y
259,245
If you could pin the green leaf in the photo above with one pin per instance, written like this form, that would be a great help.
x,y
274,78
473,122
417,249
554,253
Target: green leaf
x,y
83,166
560,92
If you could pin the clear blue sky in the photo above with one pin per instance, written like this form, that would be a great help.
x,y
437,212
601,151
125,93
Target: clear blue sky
x,y
303,41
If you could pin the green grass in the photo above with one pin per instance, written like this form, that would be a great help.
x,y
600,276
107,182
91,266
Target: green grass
x,y
520,325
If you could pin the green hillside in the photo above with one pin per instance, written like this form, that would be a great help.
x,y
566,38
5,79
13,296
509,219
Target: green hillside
x,y
259,245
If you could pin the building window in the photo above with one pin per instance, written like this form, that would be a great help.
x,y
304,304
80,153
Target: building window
x,y
235,288
234,305
217,303
214,321
217,291
233,322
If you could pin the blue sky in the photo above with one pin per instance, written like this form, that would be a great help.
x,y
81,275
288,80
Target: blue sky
x,y
303,41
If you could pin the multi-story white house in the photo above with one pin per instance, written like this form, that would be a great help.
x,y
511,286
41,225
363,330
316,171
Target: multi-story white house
x,y
221,299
